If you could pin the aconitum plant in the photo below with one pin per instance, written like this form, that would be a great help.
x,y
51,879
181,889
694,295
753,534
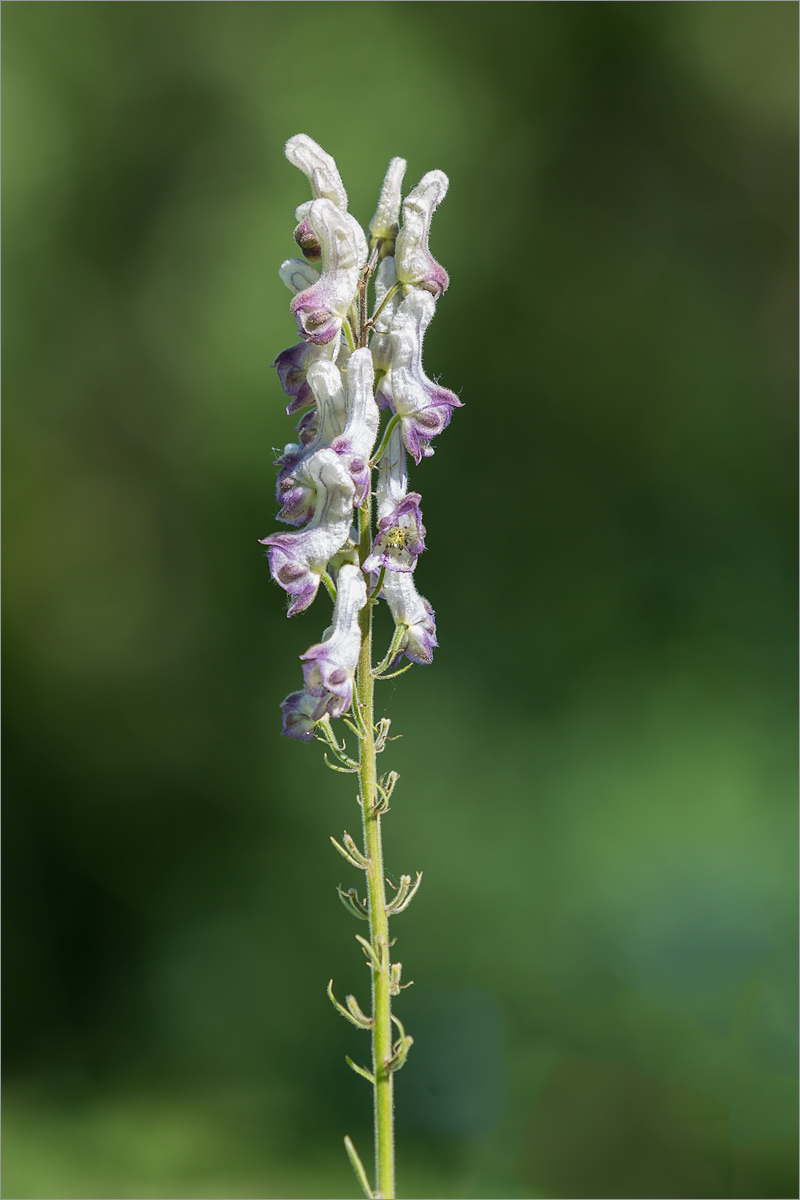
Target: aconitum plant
x,y
357,366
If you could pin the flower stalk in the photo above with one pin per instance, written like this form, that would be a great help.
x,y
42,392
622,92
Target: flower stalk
x,y
351,366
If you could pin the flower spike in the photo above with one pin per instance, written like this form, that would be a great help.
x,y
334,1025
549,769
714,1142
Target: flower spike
x,y
366,403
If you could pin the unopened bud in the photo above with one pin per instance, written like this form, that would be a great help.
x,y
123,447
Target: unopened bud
x,y
385,222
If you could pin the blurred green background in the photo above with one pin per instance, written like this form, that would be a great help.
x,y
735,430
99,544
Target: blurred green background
x,y
598,772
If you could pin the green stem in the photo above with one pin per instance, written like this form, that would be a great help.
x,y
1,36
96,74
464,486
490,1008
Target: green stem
x,y
387,433
383,1089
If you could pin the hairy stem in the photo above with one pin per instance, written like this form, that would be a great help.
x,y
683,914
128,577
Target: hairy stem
x,y
378,918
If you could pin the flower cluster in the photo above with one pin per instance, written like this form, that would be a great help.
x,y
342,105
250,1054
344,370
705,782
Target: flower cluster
x,y
347,368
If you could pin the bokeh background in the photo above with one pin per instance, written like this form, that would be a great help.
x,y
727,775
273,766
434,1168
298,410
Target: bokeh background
x,y
598,772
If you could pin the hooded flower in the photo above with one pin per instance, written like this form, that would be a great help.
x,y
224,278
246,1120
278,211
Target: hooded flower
x,y
297,560
319,310
354,444
416,266
400,537
296,490
301,712
424,407
330,666
318,167
413,615
292,367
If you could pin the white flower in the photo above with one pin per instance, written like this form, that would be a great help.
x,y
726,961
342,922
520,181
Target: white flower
x,y
319,168
416,266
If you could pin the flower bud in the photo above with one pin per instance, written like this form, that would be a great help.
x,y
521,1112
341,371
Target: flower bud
x,y
384,223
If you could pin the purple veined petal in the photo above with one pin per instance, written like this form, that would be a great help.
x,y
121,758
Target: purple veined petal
x,y
329,667
413,614
424,407
319,310
416,266
384,224
356,441
399,538
297,275
297,560
319,168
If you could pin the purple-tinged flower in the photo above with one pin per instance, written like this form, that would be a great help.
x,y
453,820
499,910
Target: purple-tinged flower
x,y
413,615
301,713
319,168
384,224
354,444
319,310
424,407
297,560
296,491
416,266
400,536
331,665
292,366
